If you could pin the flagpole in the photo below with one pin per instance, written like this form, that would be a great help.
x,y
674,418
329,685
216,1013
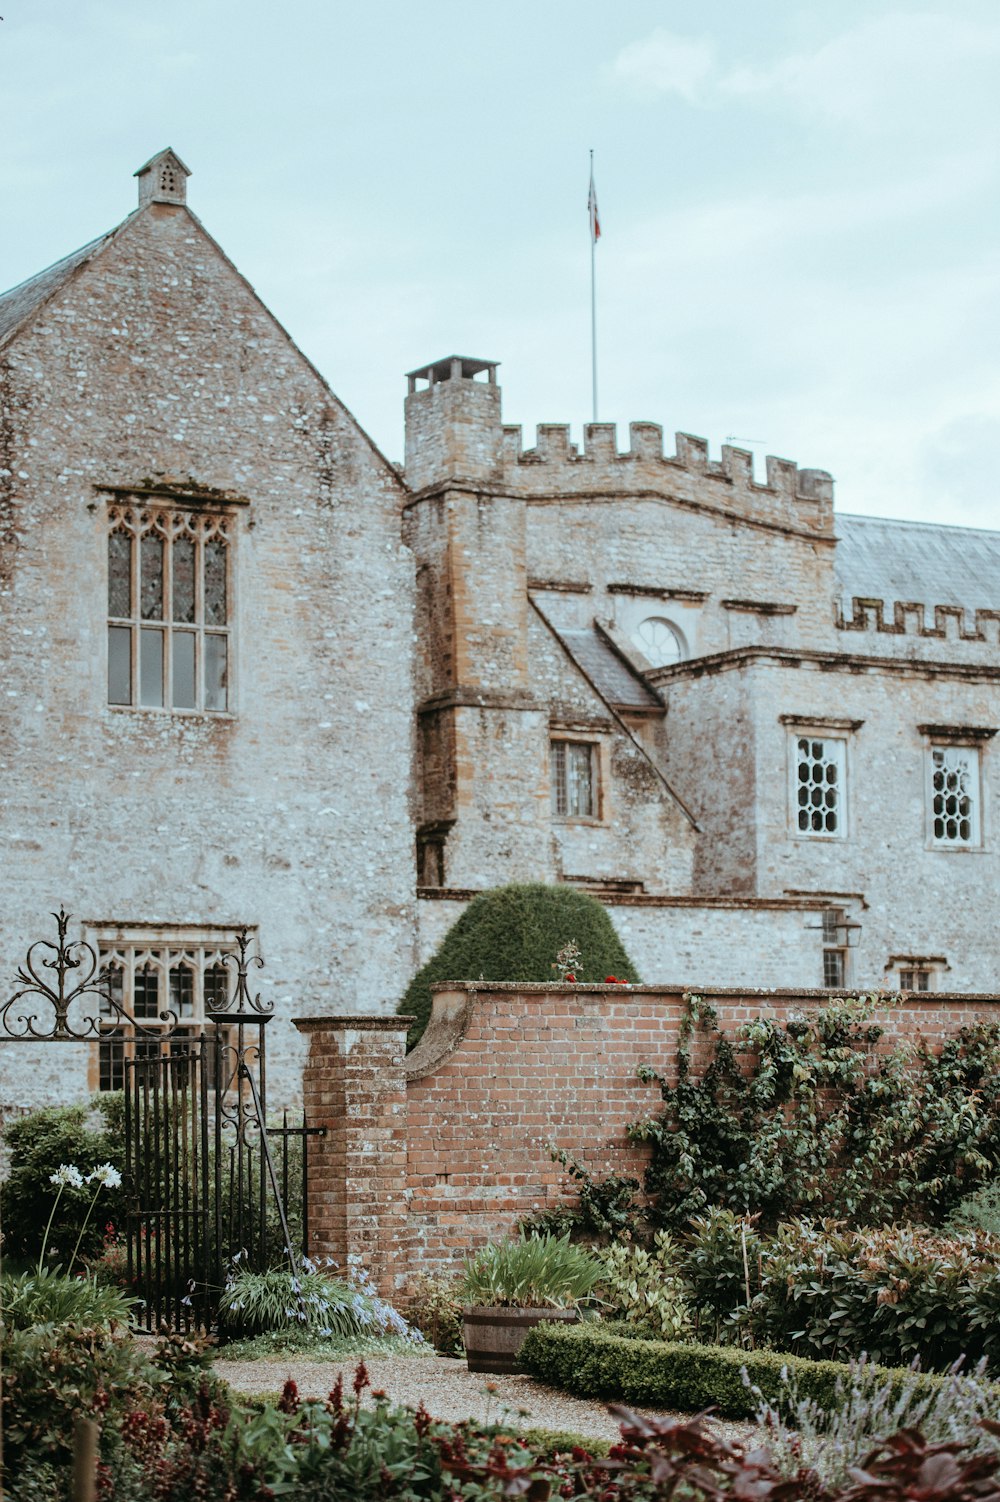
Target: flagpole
x,y
593,296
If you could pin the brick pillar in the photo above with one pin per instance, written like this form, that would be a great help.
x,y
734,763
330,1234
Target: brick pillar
x,y
353,1084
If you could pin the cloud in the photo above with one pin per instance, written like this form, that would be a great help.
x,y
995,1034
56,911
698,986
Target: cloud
x,y
665,63
891,73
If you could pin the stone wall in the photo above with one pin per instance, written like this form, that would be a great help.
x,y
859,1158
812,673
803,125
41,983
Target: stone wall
x,y
156,378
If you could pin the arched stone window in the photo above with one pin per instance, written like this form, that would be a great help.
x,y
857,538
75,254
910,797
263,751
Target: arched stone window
x,y
659,641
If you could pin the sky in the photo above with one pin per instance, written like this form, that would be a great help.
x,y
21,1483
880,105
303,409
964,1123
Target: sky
x,y
800,205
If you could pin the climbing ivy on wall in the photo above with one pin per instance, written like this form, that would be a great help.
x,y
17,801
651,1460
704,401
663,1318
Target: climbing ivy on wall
x,y
812,1117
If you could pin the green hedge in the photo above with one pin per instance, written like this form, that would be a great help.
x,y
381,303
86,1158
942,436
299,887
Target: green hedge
x,y
514,934
593,1362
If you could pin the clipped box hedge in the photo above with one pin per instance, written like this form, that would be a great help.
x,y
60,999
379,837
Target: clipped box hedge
x,y
594,1362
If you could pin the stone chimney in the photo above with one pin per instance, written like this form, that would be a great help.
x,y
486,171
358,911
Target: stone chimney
x,y
453,427
163,179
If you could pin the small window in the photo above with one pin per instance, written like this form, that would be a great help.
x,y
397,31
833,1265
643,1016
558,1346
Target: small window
x,y
148,977
574,779
834,930
915,979
659,641
955,796
169,610
819,789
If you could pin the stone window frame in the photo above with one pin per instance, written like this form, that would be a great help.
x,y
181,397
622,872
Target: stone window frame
x,y
908,970
172,519
658,618
570,734
133,951
971,738
820,728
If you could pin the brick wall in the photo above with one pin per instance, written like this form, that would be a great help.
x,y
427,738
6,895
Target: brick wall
x,y
499,1075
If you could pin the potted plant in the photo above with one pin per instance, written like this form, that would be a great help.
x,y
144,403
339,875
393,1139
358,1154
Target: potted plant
x,y
508,1286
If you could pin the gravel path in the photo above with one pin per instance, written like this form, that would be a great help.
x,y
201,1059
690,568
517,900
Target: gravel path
x,y
447,1389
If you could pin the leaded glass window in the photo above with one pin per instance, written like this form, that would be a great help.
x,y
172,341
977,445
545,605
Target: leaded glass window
x,y
820,806
573,779
149,977
169,626
955,795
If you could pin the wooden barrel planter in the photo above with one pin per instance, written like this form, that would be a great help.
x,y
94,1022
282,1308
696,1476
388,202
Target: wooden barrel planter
x,y
493,1334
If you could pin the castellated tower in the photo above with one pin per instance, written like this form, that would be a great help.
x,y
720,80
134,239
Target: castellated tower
x,y
483,779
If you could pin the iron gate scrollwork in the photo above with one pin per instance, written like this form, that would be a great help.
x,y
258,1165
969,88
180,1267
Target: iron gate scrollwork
x,y
201,1183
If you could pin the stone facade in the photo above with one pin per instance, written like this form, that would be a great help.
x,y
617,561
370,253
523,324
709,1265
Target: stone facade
x,y
508,663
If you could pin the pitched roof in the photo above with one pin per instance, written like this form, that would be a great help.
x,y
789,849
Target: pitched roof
x,y
878,559
20,302
611,676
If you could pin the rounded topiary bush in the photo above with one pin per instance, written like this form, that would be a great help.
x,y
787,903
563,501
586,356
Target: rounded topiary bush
x,y
514,934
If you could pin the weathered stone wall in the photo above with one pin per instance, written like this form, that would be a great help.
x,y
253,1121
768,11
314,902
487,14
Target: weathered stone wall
x,y
158,362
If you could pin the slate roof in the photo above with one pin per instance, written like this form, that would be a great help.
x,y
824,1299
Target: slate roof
x,y
20,302
609,673
878,559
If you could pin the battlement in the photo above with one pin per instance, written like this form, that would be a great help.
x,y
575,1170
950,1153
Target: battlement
x,y
555,466
913,618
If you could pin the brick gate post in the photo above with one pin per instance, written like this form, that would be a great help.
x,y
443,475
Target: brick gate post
x,y
353,1084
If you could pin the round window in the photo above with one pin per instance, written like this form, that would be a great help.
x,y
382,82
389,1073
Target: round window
x,y
658,641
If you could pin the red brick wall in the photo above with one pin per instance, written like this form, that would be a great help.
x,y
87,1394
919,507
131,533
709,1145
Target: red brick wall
x,y
503,1072
430,1155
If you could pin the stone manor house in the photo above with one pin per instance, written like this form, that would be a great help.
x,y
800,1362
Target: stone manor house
x,y
254,673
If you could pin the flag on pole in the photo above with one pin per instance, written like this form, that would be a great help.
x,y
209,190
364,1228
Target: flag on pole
x,y
595,222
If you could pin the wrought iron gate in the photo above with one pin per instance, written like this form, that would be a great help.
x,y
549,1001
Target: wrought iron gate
x,y
202,1185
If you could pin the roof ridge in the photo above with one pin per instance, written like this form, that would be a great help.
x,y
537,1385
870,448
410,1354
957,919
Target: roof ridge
x,y
913,522
19,302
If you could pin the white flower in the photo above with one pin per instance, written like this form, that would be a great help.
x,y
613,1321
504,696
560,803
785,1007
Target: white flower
x,y
65,1174
105,1175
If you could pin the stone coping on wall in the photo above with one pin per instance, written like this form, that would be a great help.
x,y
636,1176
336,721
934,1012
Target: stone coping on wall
x,y
795,904
366,1022
574,988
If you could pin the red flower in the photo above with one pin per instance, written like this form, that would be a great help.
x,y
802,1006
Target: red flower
x,y
611,980
571,977
361,1379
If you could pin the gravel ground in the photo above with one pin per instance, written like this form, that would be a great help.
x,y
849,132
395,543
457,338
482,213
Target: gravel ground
x,y
447,1389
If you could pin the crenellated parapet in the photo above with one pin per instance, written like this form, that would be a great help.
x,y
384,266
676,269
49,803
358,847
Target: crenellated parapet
x,y
556,467
916,619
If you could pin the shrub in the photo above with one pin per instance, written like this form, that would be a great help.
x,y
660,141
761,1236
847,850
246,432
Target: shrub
x,y
513,934
435,1308
645,1288
592,1362
308,1300
825,1442
810,1118
531,1272
48,1297
39,1144
979,1211
52,1372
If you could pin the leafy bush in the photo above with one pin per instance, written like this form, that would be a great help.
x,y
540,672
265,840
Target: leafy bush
x,y
810,1118
435,1308
722,1258
47,1297
513,934
309,1300
52,1372
593,1362
39,1144
645,1287
979,1211
531,1272
805,1437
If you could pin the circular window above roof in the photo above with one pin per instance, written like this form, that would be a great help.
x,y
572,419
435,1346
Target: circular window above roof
x,y
659,641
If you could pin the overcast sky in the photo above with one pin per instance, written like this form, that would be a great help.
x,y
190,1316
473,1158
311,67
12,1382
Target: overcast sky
x,y
800,204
